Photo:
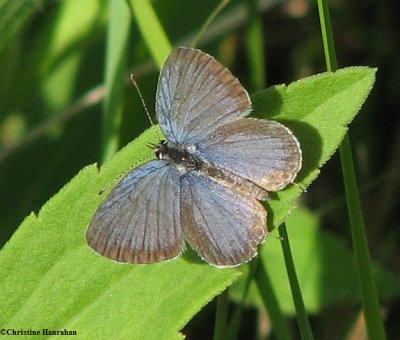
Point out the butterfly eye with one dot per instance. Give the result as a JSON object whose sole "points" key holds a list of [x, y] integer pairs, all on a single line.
{"points": [[161, 149]]}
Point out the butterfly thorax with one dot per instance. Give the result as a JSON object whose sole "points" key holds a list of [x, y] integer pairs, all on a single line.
{"points": [[179, 155]]}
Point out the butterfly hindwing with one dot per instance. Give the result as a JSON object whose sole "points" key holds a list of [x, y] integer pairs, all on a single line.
{"points": [[139, 222], [262, 151], [225, 228]]}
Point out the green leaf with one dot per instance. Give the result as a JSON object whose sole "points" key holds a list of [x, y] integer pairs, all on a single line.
{"points": [[52, 279], [317, 109], [319, 257]]}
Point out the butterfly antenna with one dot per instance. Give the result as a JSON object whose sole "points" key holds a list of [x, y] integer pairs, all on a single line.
{"points": [[144, 105]]}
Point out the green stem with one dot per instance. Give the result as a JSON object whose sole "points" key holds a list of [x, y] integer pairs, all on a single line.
{"points": [[221, 316], [369, 296], [302, 318], [209, 20], [234, 326], [255, 48]]}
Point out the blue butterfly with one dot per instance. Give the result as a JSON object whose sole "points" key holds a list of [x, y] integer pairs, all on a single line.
{"points": [[211, 173]]}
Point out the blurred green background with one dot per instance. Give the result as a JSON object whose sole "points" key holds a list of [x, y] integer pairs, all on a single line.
{"points": [[52, 56]]}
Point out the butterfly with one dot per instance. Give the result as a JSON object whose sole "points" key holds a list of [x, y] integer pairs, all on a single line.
{"points": [[209, 177]]}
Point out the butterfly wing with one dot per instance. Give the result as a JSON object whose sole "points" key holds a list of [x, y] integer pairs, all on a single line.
{"points": [[262, 151], [139, 222], [224, 227], [196, 95]]}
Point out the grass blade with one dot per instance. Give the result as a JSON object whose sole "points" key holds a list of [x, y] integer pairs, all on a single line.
{"points": [[234, 326], [116, 51], [302, 318], [255, 48], [369, 294], [152, 31], [209, 20], [221, 316]]}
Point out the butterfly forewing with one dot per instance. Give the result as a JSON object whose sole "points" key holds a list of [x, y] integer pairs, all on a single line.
{"points": [[139, 222], [196, 95]]}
